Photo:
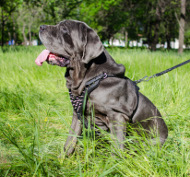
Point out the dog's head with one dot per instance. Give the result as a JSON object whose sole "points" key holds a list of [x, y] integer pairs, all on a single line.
{"points": [[71, 40]]}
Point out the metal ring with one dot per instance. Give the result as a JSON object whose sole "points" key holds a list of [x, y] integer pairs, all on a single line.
{"points": [[105, 75]]}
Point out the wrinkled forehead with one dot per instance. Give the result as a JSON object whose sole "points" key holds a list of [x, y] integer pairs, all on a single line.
{"points": [[72, 25], [76, 30], [65, 23]]}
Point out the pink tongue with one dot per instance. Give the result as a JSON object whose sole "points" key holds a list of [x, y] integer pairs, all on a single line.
{"points": [[42, 57]]}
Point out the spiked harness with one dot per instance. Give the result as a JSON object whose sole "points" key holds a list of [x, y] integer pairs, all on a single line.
{"points": [[78, 102]]}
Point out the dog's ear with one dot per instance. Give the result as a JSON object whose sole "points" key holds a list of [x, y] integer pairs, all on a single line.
{"points": [[92, 46]]}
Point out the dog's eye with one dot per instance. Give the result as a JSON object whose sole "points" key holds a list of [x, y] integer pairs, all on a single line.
{"points": [[64, 30]]}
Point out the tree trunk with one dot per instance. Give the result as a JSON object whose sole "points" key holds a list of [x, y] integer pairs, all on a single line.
{"points": [[154, 39], [111, 39], [168, 35], [9, 34], [30, 36], [2, 28], [154, 28], [23, 33], [14, 30], [156, 35], [157, 25], [168, 40], [126, 38], [182, 26]]}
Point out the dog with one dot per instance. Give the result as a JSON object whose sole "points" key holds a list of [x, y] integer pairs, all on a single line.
{"points": [[116, 100]]}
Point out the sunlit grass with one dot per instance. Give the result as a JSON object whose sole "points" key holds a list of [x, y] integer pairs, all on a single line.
{"points": [[35, 116]]}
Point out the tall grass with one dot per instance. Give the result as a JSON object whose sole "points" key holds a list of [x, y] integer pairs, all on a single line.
{"points": [[35, 116]]}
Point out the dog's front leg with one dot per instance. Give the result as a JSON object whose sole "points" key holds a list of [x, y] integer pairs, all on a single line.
{"points": [[117, 127], [75, 130]]}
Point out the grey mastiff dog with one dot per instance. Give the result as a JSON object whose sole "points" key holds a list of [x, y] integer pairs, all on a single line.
{"points": [[116, 100]]}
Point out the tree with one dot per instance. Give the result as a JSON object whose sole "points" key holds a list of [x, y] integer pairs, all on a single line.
{"points": [[154, 20], [187, 25], [150, 14], [107, 16], [29, 15], [7, 7], [169, 28], [182, 26], [57, 10]]}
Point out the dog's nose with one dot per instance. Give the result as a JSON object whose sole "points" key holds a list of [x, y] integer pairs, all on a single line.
{"points": [[43, 27]]}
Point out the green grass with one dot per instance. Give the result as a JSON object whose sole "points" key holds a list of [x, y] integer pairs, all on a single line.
{"points": [[35, 116]]}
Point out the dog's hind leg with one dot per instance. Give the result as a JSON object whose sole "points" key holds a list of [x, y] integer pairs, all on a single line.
{"points": [[153, 128], [160, 129]]}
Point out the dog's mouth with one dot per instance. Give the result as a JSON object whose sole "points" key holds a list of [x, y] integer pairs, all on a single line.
{"points": [[51, 58]]}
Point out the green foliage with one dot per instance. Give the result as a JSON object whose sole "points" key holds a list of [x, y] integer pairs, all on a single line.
{"points": [[7, 7], [108, 17], [56, 10], [36, 113], [187, 38], [157, 21]]}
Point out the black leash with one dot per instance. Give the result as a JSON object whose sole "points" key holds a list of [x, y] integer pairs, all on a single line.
{"points": [[146, 78]]}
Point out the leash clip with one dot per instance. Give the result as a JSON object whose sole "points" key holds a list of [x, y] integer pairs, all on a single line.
{"points": [[146, 78]]}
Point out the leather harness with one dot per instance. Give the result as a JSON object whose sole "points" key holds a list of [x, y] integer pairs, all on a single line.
{"points": [[78, 102]]}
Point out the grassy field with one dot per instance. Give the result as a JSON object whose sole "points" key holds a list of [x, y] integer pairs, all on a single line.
{"points": [[35, 116]]}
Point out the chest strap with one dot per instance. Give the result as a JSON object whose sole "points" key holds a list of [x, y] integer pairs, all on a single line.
{"points": [[78, 101]]}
